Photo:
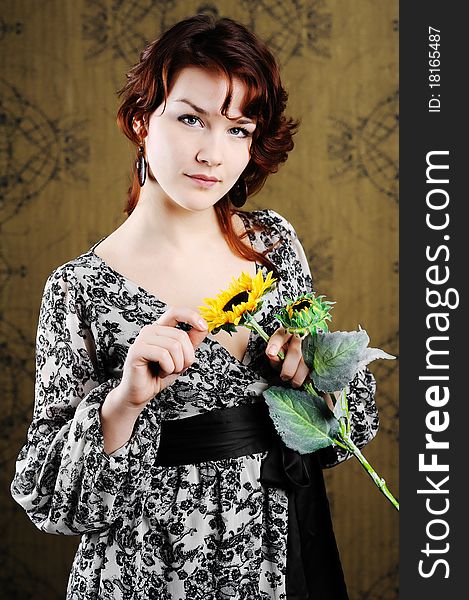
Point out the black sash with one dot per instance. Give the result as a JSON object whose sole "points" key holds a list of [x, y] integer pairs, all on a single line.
{"points": [[314, 571]]}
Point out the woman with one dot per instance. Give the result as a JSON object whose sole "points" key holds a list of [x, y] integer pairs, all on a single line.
{"points": [[150, 437]]}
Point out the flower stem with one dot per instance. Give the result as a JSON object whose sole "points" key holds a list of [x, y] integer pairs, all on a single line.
{"points": [[343, 439], [309, 388], [255, 325], [379, 481]]}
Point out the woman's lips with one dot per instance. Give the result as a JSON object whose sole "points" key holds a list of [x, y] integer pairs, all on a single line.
{"points": [[202, 182]]}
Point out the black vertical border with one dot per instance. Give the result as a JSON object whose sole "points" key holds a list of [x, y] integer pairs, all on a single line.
{"points": [[421, 132]]}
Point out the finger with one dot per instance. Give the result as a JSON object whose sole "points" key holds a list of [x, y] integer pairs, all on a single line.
{"points": [[276, 364], [293, 357], [277, 341], [180, 314], [275, 361], [301, 374], [197, 336], [174, 347], [183, 338], [157, 354], [330, 403], [274, 358], [153, 332], [177, 314]]}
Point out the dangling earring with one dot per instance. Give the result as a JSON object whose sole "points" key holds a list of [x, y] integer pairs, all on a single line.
{"points": [[239, 192], [141, 165]]}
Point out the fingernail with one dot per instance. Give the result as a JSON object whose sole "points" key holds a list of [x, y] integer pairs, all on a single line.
{"points": [[283, 377], [272, 350], [202, 324]]}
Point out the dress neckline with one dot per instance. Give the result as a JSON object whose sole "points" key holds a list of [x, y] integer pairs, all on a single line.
{"points": [[161, 303]]}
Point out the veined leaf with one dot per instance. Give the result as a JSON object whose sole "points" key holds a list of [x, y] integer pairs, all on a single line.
{"points": [[336, 357], [371, 354], [307, 348], [304, 422]]}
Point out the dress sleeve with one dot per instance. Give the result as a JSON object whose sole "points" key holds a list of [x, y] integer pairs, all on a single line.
{"points": [[364, 420], [303, 280], [64, 480]]}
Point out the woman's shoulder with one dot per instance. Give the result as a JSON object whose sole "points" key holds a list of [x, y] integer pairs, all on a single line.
{"points": [[270, 219], [74, 272]]}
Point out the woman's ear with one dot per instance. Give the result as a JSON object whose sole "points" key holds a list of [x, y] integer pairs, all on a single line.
{"points": [[140, 126]]}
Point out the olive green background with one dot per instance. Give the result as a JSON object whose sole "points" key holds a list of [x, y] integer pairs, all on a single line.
{"points": [[64, 176]]}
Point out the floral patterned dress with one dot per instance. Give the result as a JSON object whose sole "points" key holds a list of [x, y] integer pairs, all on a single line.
{"points": [[202, 531]]}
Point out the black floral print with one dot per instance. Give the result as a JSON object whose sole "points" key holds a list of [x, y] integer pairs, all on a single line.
{"points": [[206, 531]]}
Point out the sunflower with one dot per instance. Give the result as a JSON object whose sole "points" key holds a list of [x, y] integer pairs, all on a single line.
{"points": [[305, 314], [233, 306]]}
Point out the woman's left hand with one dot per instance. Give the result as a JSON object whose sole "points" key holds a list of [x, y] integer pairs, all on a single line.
{"points": [[293, 368]]}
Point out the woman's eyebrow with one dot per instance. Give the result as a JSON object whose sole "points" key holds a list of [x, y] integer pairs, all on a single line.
{"points": [[242, 120]]}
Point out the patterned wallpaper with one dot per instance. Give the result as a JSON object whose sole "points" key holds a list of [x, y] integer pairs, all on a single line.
{"points": [[64, 174]]}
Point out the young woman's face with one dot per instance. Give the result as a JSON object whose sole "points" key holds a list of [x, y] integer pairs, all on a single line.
{"points": [[182, 141]]}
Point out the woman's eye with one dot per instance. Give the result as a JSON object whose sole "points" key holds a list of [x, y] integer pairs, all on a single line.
{"points": [[184, 118], [188, 117], [245, 132]]}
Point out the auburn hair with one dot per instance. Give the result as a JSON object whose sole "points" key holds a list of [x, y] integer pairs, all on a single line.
{"points": [[226, 47]]}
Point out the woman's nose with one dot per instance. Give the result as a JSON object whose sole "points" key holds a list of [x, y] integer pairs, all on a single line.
{"points": [[210, 151]]}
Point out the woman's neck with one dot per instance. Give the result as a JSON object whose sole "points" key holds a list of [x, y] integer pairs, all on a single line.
{"points": [[172, 225]]}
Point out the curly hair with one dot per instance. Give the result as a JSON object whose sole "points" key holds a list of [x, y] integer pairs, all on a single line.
{"points": [[226, 47]]}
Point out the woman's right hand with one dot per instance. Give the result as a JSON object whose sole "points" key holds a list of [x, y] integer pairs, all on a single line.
{"points": [[161, 342]]}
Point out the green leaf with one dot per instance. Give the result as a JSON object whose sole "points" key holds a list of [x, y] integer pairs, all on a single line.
{"points": [[307, 348], [371, 354], [303, 421], [229, 327], [336, 357]]}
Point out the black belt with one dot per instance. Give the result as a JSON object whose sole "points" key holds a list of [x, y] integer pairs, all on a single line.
{"points": [[314, 571]]}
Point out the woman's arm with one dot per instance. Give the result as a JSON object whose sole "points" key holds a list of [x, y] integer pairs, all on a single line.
{"points": [[64, 479], [117, 421]]}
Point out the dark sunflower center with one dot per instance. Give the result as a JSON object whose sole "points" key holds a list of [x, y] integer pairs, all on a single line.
{"points": [[241, 297], [301, 304]]}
